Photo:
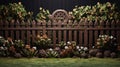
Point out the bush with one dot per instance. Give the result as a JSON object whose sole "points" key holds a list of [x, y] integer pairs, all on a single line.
{"points": [[52, 53], [2, 41], [42, 15], [43, 42], [98, 12], [14, 12], [29, 52], [106, 42]]}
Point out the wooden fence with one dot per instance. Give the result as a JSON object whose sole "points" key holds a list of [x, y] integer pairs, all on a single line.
{"points": [[83, 32]]}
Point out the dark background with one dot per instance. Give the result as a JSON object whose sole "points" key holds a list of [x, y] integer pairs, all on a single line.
{"points": [[33, 5]]}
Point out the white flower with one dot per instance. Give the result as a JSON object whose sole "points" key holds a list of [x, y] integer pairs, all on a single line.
{"points": [[114, 38], [12, 43], [111, 37], [93, 46], [82, 47], [103, 38], [100, 35], [98, 43], [1, 37], [85, 48], [2, 48], [49, 39], [6, 41], [5, 48], [64, 43], [68, 43], [40, 8], [18, 40], [66, 47], [106, 36], [77, 47], [74, 9], [70, 12], [34, 48], [50, 49]]}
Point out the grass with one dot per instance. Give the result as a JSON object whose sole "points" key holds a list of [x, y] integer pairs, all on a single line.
{"points": [[59, 62]]}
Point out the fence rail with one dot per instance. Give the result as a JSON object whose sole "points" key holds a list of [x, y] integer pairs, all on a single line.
{"points": [[83, 32]]}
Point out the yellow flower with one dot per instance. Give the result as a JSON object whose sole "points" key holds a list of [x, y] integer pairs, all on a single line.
{"points": [[27, 46], [38, 36], [32, 50], [98, 43], [45, 36]]}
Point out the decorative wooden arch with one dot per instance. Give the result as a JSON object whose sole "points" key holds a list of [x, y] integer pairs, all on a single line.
{"points": [[60, 14]]}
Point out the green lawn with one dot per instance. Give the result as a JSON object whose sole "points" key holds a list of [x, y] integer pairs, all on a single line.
{"points": [[58, 62]]}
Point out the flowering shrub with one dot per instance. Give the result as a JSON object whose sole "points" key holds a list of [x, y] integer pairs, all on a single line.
{"points": [[68, 49], [3, 12], [19, 43], [106, 42], [42, 42], [98, 12], [62, 44], [28, 51], [13, 11], [17, 11], [105, 47], [80, 50], [2, 40], [4, 51], [7, 48], [52, 53], [42, 15]]}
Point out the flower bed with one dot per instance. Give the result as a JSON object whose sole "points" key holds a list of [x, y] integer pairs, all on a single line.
{"points": [[106, 46]]}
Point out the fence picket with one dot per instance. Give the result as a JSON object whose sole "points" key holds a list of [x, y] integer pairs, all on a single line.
{"points": [[90, 34], [70, 31], [59, 37]]}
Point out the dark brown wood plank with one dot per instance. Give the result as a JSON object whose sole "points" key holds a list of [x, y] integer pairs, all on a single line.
{"points": [[95, 37], [80, 38], [65, 34], [90, 39], [86, 38], [59, 36], [75, 35], [54, 38], [28, 37], [70, 35]]}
